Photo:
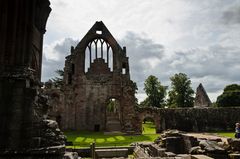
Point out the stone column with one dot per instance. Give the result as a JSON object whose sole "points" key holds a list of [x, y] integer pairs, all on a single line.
{"points": [[21, 107]]}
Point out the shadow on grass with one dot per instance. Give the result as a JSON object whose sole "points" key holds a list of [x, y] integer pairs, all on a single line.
{"points": [[85, 138]]}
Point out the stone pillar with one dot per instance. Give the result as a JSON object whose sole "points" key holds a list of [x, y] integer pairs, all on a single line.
{"points": [[21, 109]]}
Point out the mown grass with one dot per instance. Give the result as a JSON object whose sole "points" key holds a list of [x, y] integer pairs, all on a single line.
{"points": [[149, 128], [85, 138], [225, 134]]}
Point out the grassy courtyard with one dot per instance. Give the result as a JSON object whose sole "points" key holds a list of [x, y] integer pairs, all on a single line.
{"points": [[85, 138], [225, 134]]}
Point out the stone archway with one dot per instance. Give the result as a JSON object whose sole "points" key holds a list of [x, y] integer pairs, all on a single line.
{"points": [[147, 117], [148, 125], [143, 113], [113, 115]]}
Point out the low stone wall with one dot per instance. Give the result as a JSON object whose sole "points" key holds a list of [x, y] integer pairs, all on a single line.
{"points": [[86, 152], [191, 119]]}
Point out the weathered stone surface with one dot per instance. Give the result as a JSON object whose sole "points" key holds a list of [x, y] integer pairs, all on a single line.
{"points": [[55, 101], [23, 131], [157, 151], [234, 156], [201, 157], [234, 143], [139, 152], [211, 147], [201, 99], [170, 154], [171, 133], [49, 134], [196, 150], [96, 71], [110, 153], [190, 119], [172, 143], [71, 155], [183, 156], [177, 142]]}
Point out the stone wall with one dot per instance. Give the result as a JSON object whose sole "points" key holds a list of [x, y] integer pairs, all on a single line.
{"points": [[88, 88], [191, 119], [23, 128]]}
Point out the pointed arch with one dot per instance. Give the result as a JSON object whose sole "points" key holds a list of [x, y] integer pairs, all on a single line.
{"points": [[98, 49]]}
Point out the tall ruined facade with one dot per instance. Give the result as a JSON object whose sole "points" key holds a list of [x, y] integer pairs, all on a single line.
{"points": [[22, 125], [99, 94], [201, 99]]}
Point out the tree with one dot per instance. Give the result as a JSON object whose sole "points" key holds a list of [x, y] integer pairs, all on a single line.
{"points": [[135, 91], [144, 103], [155, 91], [58, 80], [112, 106], [181, 93], [230, 96]]}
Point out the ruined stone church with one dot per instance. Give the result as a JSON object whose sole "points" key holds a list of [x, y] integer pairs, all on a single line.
{"points": [[98, 91]]}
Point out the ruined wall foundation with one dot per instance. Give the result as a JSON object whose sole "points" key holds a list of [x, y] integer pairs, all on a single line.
{"points": [[191, 119]]}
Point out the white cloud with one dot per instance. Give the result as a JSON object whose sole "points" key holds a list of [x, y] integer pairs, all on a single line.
{"points": [[199, 38], [54, 55]]}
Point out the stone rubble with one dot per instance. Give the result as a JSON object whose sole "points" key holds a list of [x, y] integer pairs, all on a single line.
{"points": [[178, 145]]}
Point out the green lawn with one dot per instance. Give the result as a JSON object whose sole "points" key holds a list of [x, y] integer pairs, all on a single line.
{"points": [[85, 138], [225, 134], [149, 128]]}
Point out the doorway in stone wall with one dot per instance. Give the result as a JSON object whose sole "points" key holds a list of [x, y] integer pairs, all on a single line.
{"points": [[148, 126], [113, 115]]}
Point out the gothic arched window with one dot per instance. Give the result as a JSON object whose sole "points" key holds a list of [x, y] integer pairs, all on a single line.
{"points": [[98, 48]]}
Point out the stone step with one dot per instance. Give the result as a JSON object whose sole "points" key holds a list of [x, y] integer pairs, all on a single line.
{"points": [[111, 153], [113, 126], [169, 154], [113, 118], [234, 156], [113, 122], [201, 157]]}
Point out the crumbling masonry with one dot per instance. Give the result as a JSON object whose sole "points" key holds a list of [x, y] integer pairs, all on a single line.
{"points": [[24, 132], [95, 74]]}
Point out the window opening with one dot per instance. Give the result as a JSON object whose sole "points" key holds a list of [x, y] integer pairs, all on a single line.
{"points": [[99, 32], [98, 48], [96, 127], [69, 78], [123, 68], [73, 68], [123, 71]]}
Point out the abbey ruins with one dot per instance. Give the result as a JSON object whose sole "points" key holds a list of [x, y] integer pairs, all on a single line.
{"points": [[96, 74]]}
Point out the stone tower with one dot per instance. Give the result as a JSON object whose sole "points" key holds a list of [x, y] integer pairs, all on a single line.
{"points": [[99, 94], [201, 99]]}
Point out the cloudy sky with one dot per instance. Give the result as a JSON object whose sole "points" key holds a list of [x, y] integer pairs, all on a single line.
{"points": [[163, 37]]}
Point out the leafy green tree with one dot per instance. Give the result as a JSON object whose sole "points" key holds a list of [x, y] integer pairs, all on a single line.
{"points": [[232, 87], [58, 80], [136, 89], [144, 103], [230, 96], [111, 106], [155, 91], [181, 93]]}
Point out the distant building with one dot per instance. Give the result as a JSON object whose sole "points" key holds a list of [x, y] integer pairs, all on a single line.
{"points": [[201, 99]]}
